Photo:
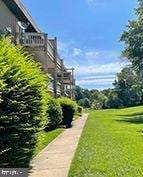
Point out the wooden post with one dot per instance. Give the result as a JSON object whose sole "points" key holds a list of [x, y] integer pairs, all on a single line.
{"points": [[56, 69], [45, 52], [62, 78], [72, 91]]}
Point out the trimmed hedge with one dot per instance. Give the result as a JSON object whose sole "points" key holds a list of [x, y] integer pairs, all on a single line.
{"points": [[69, 108], [54, 114], [23, 105]]}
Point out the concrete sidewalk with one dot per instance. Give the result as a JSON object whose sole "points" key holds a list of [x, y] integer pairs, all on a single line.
{"points": [[56, 158]]}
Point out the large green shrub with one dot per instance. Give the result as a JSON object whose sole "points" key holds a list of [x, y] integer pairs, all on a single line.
{"points": [[23, 104], [54, 114], [69, 108]]}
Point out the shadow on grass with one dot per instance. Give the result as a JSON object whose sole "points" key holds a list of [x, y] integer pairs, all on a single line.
{"points": [[135, 118], [132, 115]]}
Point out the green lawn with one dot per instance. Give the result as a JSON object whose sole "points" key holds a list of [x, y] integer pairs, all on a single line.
{"points": [[45, 138], [111, 145]]}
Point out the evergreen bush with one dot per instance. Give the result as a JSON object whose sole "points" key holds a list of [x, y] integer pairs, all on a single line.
{"points": [[54, 113], [69, 108], [23, 104]]}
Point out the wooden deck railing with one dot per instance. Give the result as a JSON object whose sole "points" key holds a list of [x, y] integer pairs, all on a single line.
{"points": [[33, 39], [50, 50]]}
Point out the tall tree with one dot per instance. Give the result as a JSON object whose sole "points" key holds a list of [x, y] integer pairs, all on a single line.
{"points": [[133, 39], [78, 93], [128, 87]]}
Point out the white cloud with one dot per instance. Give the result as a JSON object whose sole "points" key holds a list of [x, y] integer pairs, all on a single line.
{"points": [[77, 52], [63, 47], [93, 68], [99, 69], [96, 81], [72, 53], [101, 54], [98, 77], [92, 54]]}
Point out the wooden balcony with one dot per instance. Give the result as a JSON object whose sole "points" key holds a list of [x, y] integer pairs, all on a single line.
{"points": [[66, 77], [39, 40], [33, 39]]}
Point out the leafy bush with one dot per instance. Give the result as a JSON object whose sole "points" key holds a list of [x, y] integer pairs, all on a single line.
{"points": [[69, 108], [79, 109], [23, 104], [54, 114]]}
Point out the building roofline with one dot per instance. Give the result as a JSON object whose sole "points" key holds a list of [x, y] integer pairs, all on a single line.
{"points": [[17, 8]]}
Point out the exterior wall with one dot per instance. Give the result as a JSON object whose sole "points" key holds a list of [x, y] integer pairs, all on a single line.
{"points": [[7, 19], [39, 56]]}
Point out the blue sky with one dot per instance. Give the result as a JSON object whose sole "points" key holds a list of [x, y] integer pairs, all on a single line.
{"points": [[88, 32]]}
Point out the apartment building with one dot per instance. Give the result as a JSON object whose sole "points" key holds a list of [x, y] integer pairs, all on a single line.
{"points": [[15, 20]]}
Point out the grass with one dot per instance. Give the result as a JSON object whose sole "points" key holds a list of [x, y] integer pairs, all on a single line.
{"points": [[111, 145], [44, 138]]}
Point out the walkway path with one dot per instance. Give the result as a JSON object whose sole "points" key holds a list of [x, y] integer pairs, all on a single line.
{"points": [[56, 158]]}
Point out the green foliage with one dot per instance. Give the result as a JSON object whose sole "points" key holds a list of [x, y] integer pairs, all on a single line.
{"points": [[69, 108], [23, 104], [78, 93], [111, 145], [129, 88], [127, 92], [81, 93], [113, 101], [79, 109], [90, 99], [133, 39], [54, 114], [85, 102]]}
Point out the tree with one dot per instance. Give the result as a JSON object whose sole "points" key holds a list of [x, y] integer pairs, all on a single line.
{"points": [[78, 93], [97, 99], [94, 95], [113, 101], [86, 93], [85, 102], [133, 39], [128, 87]]}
